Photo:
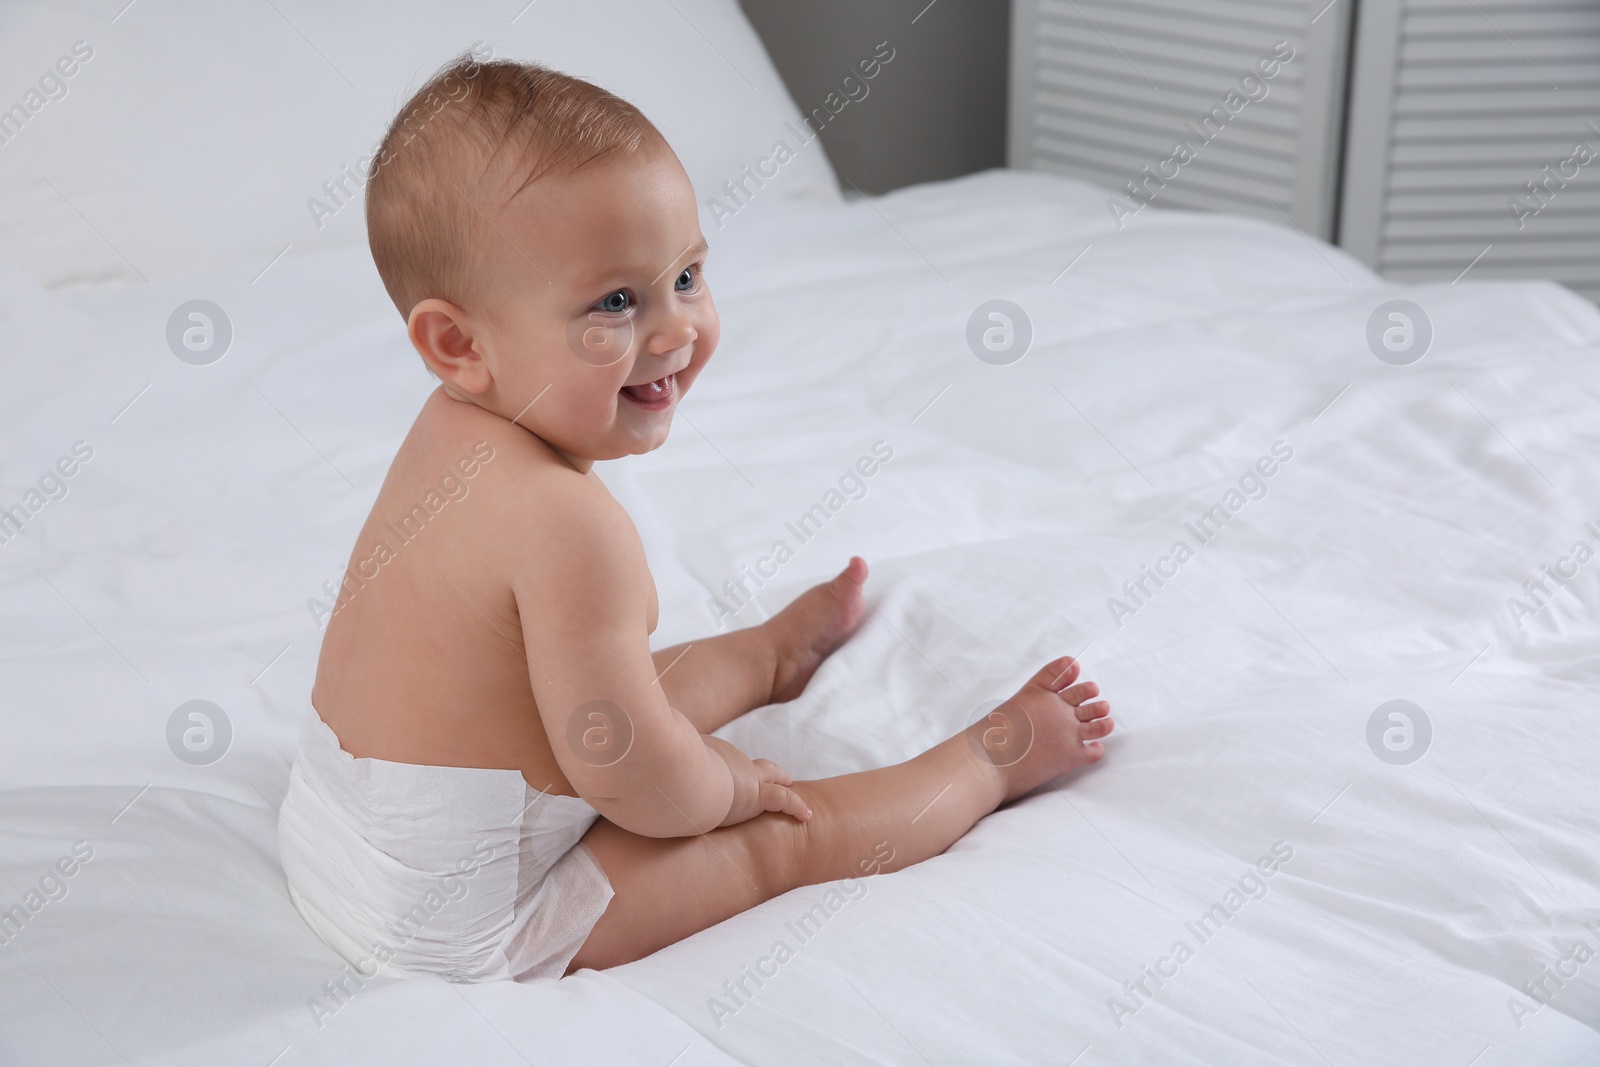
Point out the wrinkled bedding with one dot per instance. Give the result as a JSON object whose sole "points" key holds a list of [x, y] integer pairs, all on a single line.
{"points": [[1347, 887]]}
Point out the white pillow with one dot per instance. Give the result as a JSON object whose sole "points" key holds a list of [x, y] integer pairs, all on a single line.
{"points": [[190, 136]]}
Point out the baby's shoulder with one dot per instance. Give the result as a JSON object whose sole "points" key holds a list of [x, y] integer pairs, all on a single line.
{"points": [[524, 495]]}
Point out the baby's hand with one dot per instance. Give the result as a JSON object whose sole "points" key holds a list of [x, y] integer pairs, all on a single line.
{"points": [[758, 786]]}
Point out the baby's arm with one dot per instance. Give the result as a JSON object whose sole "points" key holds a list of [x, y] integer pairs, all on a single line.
{"points": [[583, 595]]}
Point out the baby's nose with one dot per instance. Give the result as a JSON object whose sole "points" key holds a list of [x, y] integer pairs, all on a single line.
{"points": [[675, 334]]}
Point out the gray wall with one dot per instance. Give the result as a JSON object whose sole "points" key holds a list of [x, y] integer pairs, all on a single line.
{"points": [[936, 110]]}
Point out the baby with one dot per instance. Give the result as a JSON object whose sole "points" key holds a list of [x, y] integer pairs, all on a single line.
{"points": [[498, 778]]}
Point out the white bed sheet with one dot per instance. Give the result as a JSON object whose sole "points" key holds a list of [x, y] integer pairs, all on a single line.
{"points": [[1167, 359]]}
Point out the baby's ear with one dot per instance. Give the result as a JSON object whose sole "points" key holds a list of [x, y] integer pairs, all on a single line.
{"points": [[442, 335]]}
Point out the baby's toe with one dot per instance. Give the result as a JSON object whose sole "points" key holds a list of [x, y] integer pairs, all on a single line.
{"points": [[848, 582], [1098, 728], [1077, 694], [1096, 710], [1057, 674]]}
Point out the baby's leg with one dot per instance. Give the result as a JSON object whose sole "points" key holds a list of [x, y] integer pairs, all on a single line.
{"points": [[882, 820], [715, 680]]}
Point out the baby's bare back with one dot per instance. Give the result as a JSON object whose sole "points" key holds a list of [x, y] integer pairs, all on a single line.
{"points": [[424, 659]]}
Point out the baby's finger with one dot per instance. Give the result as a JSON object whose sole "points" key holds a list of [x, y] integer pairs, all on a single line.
{"points": [[782, 798], [771, 772]]}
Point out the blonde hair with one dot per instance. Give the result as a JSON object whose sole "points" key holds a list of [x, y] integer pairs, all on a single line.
{"points": [[425, 213]]}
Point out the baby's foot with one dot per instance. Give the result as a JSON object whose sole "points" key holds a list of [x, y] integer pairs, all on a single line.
{"points": [[1050, 727], [809, 630]]}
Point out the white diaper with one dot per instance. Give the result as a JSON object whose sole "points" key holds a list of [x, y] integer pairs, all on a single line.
{"points": [[463, 872]]}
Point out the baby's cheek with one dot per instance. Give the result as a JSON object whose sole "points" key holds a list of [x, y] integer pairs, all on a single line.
{"points": [[697, 362], [710, 333], [708, 325]]}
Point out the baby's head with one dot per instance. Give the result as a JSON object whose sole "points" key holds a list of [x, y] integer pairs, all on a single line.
{"points": [[542, 241]]}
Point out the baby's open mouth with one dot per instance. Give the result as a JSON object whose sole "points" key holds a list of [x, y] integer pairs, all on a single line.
{"points": [[652, 396]]}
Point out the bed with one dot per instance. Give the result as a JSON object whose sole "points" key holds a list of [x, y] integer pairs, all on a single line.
{"points": [[1355, 770]]}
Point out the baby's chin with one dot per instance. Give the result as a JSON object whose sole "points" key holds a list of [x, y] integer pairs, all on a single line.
{"points": [[626, 429], [623, 440]]}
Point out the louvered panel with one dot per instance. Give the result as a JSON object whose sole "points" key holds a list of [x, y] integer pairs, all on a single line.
{"points": [[1468, 207], [1466, 105], [1202, 197], [1178, 58], [1515, 21], [1509, 75], [1491, 129], [1105, 89], [1060, 102], [1239, 14], [1227, 17], [1113, 162], [1147, 141], [1455, 253], [1497, 9], [1170, 84], [1213, 183], [1583, 274], [1496, 183], [1460, 49], [1420, 243], [1084, 92], [1501, 160]]}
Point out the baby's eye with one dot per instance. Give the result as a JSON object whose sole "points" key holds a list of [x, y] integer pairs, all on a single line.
{"points": [[685, 280], [616, 303]]}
